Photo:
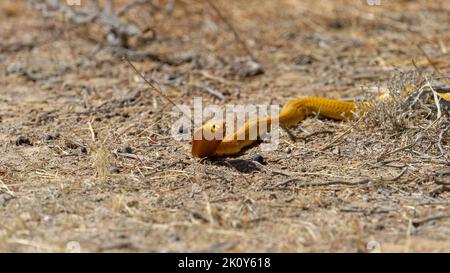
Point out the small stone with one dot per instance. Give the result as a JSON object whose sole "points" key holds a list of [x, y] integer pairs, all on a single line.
{"points": [[258, 158], [23, 140], [181, 130], [110, 115], [127, 149], [114, 170], [288, 150], [236, 224], [133, 204], [336, 150], [379, 227], [251, 69], [4, 199], [246, 67], [82, 149], [51, 136]]}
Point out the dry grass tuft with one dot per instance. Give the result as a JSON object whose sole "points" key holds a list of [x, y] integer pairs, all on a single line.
{"points": [[410, 114], [404, 107], [102, 161]]}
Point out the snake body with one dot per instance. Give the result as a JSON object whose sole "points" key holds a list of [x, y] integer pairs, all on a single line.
{"points": [[292, 113]]}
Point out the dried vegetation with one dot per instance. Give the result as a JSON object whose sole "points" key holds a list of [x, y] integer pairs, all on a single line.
{"points": [[101, 169]]}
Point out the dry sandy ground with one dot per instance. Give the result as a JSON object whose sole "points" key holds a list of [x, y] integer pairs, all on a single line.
{"points": [[77, 184]]}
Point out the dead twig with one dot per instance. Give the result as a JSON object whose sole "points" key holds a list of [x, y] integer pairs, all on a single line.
{"points": [[5, 188], [417, 139], [436, 100], [395, 178], [91, 129], [331, 144], [211, 91], [138, 56], [433, 65], [132, 5], [318, 184], [439, 141], [439, 190], [417, 223], [155, 88]]}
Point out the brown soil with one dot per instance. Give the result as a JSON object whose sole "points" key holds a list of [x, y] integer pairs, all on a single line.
{"points": [[79, 185]]}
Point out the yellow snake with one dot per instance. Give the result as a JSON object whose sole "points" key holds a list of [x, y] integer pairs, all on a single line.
{"points": [[292, 113]]}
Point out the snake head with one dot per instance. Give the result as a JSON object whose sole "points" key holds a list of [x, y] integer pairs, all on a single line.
{"points": [[207, 139], [293, 112]]}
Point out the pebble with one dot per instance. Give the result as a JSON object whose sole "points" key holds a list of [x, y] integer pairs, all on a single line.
{"points": [[23, 140], [83, 149], [336, 151], [127, 149], [114, 169], [258, 158], [52, 136]]}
